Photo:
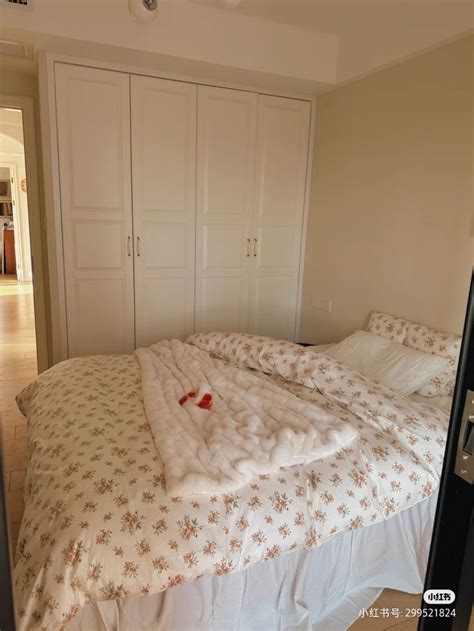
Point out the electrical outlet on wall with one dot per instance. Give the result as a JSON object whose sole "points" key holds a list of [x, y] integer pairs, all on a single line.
{"points": [[322, 305]]}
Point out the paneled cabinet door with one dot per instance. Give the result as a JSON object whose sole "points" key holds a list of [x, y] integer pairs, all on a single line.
{"points": [[164, 207], [282, 147], [93, 126], [225, 173]]}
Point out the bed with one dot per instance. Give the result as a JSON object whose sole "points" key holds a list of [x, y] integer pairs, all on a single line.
{"points": [[104, 545]]}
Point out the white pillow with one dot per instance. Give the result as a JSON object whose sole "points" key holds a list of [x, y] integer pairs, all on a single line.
{"points": [[402, 369]]}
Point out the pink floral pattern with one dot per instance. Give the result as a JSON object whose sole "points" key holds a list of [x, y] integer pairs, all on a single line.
{"points": [[422, 338], [388, 326], [244, 349], [98, 524]]}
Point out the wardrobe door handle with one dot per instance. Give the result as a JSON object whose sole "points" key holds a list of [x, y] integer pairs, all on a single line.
{"points": [[129, 246], [255, 247], [138, 246], [248, 247]]}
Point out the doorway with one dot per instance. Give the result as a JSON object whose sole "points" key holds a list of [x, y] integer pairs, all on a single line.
{"points": [[18, 330], [15, 249], [17, 314], [22, 280]]}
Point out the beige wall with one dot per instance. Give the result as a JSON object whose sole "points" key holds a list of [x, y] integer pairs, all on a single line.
{"points": [[17, 81], [392, 196]]}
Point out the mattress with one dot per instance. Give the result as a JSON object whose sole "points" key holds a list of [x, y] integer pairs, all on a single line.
{"points": [[99, 526]]}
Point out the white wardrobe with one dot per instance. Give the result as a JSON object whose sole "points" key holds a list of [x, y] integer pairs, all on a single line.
{"points": [[181, 208]]}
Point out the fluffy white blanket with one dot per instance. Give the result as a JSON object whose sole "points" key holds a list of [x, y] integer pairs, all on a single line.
{"points": [[254, 426]]}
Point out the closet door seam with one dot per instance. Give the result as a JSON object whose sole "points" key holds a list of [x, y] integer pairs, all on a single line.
{"points": [[133, 214]]}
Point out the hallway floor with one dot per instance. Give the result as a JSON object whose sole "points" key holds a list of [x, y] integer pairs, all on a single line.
{"points": [[17, 369]]}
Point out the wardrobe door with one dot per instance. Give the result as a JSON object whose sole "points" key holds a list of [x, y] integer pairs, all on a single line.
{"points": [[225, 172], [164, 207], [282, 147], [93, 127]]}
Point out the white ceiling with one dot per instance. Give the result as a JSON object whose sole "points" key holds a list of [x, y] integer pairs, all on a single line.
{"points": [[302, 46], [372, 33], [340, 17]]}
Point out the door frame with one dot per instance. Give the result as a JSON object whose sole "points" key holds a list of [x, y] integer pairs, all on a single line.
{"points": [[450, 560], [27, 106]]}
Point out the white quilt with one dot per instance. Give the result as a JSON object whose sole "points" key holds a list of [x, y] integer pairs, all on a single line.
{"points": [[254, 427]]}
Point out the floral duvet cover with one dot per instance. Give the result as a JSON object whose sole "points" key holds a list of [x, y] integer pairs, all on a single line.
{"points": [[98, 522]]}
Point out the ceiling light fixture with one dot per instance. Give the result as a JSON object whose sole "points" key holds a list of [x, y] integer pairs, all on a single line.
{"points": [[143, 10]]}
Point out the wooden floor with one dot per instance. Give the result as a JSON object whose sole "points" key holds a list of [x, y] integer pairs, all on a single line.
{"points": [[18, 368], [394, 605]]}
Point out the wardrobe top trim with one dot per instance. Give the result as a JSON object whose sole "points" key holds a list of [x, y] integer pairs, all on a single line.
{"points": [[53, 58]]}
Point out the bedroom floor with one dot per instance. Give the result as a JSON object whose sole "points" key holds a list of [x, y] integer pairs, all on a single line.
{"points": [[18, 368]]}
